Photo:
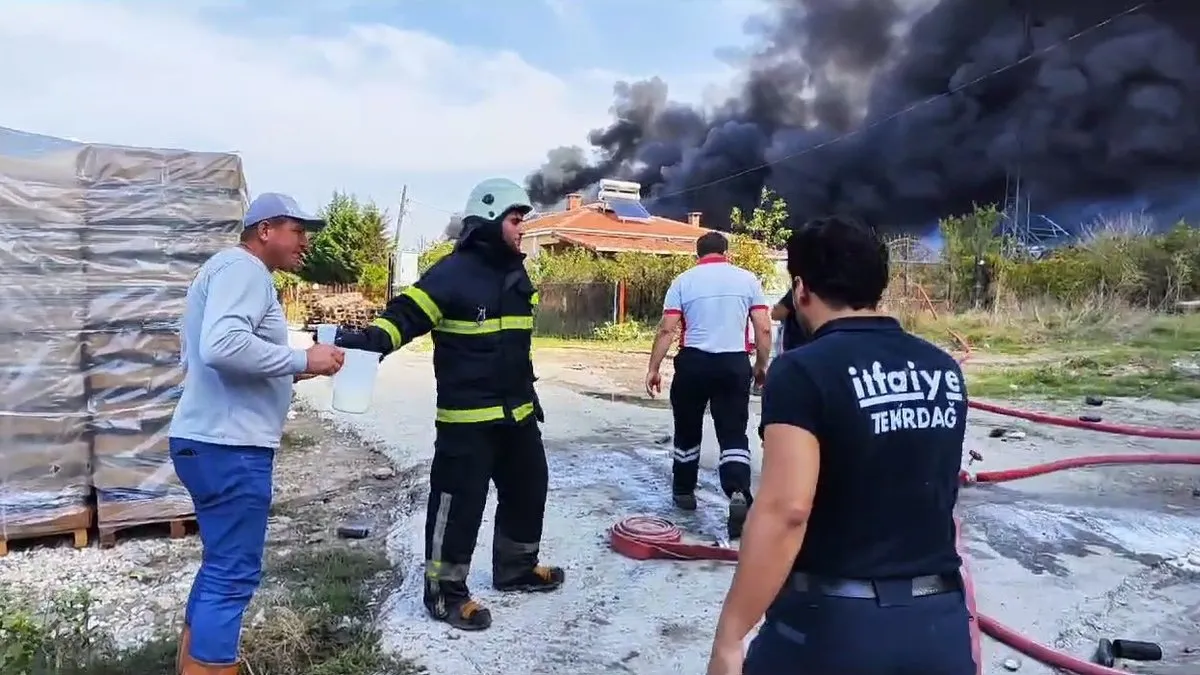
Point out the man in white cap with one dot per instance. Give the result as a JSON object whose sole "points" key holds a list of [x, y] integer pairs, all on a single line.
{"points": [[238, 377]]}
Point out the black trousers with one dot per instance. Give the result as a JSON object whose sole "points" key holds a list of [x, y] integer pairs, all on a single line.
{"points": [[807, 633], [466, 458], [720, 382]]}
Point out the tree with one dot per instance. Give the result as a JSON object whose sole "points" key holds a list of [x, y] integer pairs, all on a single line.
{"points": [[372, 281], [373, 245], [972, 248], [753, 255], [355, 236], [766, 223], [433, 253]]}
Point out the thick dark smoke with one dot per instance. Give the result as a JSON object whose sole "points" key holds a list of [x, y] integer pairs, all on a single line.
{"points": [[1109, 117]]}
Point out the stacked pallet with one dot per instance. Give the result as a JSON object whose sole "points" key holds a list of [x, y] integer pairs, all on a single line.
{"points": [[44, 447], [151, 219], [97, 248], [344, 309]]}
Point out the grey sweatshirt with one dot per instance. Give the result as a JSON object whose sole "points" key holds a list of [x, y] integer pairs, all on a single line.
{"points": [[238, 366]]}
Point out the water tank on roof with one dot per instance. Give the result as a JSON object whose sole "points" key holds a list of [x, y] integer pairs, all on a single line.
{"points": [[619, 190]]}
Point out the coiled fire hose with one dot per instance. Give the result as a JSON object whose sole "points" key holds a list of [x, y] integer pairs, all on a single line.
{"points": [[650, 537]]}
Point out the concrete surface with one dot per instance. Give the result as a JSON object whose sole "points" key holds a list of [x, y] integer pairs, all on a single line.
{"points": [[1065, 559]]}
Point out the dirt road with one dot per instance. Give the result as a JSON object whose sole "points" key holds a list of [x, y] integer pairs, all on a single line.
{"points": [[1066, 558]]}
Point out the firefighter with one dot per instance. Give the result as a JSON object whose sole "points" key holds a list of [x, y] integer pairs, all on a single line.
{"points": [[478, 303]]}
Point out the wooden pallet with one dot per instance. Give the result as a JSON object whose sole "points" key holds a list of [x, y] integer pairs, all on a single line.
{"points": [[173, 528], [73, 523]]}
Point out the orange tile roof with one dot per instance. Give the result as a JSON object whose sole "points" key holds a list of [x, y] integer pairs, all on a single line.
{"points": [[592, 227], [591, 219], [617, 243]]}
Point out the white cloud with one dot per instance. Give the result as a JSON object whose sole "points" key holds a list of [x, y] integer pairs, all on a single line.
{"points": [[371, 96]]}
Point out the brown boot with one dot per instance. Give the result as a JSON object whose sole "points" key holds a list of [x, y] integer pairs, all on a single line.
{"points": [[185, 642], [194, 667]]}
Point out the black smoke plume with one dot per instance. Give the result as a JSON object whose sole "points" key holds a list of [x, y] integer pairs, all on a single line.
{"points": [[1112, 116]]}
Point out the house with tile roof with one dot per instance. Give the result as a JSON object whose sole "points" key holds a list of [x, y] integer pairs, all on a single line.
{"points": [[616, 222]]}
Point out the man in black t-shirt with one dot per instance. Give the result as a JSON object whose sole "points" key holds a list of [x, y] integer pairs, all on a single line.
{"points": [[794, 333], [849, 549]]}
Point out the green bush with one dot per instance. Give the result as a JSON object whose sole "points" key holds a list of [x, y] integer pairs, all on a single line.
{"points": [[1142, 270], [285, 281], [57, 639], [630, 331], [1114, 261], [372, 281], [577, 265]]}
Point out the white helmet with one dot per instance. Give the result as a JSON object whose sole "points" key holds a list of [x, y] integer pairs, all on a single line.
{"points": [[494, 197]]}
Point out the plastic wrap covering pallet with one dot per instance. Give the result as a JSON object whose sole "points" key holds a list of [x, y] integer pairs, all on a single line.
{"points": [[97, 247]]}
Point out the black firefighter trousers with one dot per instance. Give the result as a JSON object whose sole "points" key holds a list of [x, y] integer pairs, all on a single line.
{"points": [[720, 382], [466, 458]]}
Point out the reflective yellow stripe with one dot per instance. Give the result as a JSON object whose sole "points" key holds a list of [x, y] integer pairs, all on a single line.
{"points": [[535, 299], [475, 415], [425, 302], [486, 326], [392, 331]]}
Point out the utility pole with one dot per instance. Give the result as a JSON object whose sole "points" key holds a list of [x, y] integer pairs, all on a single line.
{"points": [[393, 269]]}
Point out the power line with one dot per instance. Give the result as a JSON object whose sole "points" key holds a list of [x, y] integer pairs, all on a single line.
{"points": [[904, 111], [439, 209]]}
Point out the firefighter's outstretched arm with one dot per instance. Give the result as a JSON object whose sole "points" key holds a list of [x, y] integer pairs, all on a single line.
{"points": [[408, 316]]}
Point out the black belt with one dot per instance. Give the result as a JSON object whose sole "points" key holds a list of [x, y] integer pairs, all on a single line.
{"points": [[931, 584]]}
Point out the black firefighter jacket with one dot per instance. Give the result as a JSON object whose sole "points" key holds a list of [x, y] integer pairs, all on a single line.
{"points": [[478, 301]]}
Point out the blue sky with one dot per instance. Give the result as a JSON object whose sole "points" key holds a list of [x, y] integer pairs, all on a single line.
{"points": [[359, 95]]}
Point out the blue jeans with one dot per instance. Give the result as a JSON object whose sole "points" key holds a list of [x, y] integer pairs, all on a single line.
{"points": [[231, 489], [812, 634]]}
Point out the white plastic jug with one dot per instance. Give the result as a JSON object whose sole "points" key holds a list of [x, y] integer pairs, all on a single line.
{"points": [[327, 333], [355, 382]]}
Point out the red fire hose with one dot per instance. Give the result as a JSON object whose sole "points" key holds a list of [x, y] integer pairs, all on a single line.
{"points": [[649, 537], [1122, 429], [1075, 463], [1055, 420]]}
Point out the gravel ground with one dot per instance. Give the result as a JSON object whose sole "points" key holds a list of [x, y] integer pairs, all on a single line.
{"points": [[322, 479], [1066, 558]]}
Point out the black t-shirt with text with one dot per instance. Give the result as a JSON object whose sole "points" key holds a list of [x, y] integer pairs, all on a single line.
{"points": [[794, 333], [889, 410]]}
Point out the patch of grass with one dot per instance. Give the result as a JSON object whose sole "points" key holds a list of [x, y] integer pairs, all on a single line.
{"points": [[1032, 328], [314, 617], [296, 441], [1119, 372], [424, 344], [592, 344]]}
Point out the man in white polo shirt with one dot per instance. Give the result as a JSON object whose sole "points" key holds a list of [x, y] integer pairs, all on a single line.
{"points": [[710, 304]]}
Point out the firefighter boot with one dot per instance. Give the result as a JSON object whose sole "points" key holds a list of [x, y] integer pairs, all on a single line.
{"points": [[739, 507], [194, 667], [515, 568], [687, 501], [449, 601]]}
